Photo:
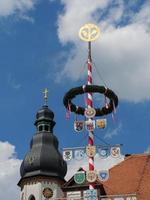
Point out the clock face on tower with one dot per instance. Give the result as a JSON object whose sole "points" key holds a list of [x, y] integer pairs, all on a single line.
{"points": [[47, 192]]}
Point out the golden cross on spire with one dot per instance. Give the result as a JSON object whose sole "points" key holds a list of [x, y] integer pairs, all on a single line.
{"points": [[45, 92]]}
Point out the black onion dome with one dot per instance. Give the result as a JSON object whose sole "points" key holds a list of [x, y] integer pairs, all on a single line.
{"points": [[44, 157], [45, 113]]}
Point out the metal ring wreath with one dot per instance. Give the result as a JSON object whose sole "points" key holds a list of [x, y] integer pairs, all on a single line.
{"points": [[71, 94]]}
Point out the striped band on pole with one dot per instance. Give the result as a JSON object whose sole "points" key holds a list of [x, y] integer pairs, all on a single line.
{"points": [[90, 105]]}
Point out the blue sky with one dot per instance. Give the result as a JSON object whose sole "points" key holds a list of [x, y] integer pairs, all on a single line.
{"points": [[39, 47]]}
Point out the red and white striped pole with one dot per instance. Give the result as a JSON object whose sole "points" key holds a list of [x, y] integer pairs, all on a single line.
{"points": [[88, 33], [90, 105]]}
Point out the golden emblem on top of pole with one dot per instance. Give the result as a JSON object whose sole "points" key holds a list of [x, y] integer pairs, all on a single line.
{"points": [[89, 32]]}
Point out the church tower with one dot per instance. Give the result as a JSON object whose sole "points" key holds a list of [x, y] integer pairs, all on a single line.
{"points": [[43, 168]]}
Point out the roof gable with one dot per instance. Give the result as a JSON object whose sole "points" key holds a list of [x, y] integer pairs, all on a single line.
{"points": [[71, 184]]}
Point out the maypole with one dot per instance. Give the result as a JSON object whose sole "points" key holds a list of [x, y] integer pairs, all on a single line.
{"points": [[89, 33]]}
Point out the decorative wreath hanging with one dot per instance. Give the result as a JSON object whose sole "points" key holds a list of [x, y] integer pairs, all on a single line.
{"points": [[71, 94]]}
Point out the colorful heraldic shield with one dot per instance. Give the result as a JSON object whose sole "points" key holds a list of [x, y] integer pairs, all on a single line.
{"points": [[115, 152], [101, 123], [103, 175], [103, 152], [90, 112], [67, 155], [79, 154], [79, 177], [90, 125], [79, 126], [91, 176], [91, 151], [90, 194]]}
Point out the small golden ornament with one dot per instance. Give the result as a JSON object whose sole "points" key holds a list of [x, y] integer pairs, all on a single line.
{"points": [[89, 32]]}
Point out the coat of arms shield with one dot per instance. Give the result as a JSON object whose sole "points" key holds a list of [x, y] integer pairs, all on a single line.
{"points": [[91, 176], [103, 152], [90, 125], [90, 194], [90, 151], [78, 126], [79, 154], [101, 123], [67, 155], [103, 175], [115, 152], [79, 177]]}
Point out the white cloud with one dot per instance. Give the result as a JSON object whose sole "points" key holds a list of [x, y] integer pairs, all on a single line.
{"points": [[9, 7], [111, 133], [122, 52], [9, 172], [99, 163]]}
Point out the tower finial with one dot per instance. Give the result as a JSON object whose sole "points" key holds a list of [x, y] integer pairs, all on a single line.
{"points": [[45, 92]]}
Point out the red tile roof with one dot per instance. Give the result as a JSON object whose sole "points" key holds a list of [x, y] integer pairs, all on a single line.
{"points": [[129, 177]]}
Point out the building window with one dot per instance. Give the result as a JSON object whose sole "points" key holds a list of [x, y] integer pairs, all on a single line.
{"points": [[31, 197], [74, 195]]}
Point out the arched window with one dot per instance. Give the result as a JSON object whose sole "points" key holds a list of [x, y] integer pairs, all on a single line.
{"points": [[41, 128], [31, 197], [46, 128]]}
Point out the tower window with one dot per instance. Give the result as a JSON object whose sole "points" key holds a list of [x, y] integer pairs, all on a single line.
{"points": [[41, 128], [46, 128], [31, 197]]}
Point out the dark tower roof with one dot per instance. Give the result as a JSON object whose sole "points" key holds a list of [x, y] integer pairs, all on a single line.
{"points": [[44, 157]]}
